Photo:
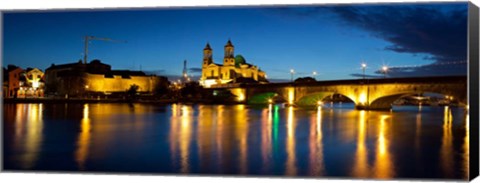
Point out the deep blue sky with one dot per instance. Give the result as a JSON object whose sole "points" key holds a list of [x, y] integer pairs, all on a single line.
{"points": [[331, 40]]}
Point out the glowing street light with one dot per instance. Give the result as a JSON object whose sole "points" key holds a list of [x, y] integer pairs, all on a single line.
{"points": [[292, 72], [314, 75], [319, 103], [364, 66], [385, 69]]}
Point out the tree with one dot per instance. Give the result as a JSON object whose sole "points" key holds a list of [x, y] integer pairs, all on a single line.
{"points": [[305, 80], [162, 87], [132, 91], [191, 89]]}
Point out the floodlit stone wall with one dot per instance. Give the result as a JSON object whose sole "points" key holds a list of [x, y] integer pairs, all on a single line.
{"points": [[99, 83]]}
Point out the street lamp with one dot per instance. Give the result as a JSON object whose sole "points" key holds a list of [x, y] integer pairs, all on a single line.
{"points": [[385, 69], [314, 74], [292, 72], [364, 65]]}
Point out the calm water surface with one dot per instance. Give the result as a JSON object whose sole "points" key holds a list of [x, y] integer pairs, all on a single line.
{"points": [[329, 141]]}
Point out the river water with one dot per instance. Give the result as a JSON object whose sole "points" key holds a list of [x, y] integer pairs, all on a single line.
{"points": [[330, 141]]}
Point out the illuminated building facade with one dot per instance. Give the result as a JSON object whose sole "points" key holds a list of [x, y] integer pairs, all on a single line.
{"points": [[31, 84], [12, 81], [20, 83], [235, 69], [96, 79]]}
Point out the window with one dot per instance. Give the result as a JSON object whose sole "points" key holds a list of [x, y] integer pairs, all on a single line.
{"points": [[212, 73]]}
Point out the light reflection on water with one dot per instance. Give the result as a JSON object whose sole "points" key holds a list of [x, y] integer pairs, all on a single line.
{"points": [[360, 166], [238, 139], [83, 138]]}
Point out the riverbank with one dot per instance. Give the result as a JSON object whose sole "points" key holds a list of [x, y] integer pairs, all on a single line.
{"points": [[80, 100]]}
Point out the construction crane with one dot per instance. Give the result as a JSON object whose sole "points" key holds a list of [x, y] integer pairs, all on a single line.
{"points": [[88, 38]]}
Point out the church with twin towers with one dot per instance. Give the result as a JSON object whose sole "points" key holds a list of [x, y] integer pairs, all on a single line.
{"points": [[234, 69]]}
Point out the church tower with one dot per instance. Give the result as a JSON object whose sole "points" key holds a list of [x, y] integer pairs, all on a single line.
{"points": [[229, 59], [207, 56]]}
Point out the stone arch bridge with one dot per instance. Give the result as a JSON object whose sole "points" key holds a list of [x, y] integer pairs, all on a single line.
{"points": [[375, 94]]}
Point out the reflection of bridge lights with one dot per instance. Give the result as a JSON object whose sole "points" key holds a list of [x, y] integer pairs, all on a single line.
{"points": [[384, 117], [381, 139]]}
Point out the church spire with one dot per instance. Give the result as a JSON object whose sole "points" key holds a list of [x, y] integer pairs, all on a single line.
{"points": [[207, 47], [229, 43], [207, 55], [228, 59]]}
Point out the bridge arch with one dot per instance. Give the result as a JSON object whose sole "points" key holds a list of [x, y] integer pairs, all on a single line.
{"points": [[386, 101], [312, 99]]}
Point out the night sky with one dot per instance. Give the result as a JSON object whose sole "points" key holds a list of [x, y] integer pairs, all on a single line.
{"points": [[411, 39]]}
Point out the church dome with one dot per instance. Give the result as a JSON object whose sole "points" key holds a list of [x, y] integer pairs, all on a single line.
{"points": [[239, 60]]}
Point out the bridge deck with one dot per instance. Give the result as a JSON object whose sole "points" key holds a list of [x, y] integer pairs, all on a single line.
{"points": [[440, 79]]}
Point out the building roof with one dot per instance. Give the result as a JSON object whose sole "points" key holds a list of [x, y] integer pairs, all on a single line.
{"points": [[239, 59], [63, 66], [31, 69], [12, 68]]}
